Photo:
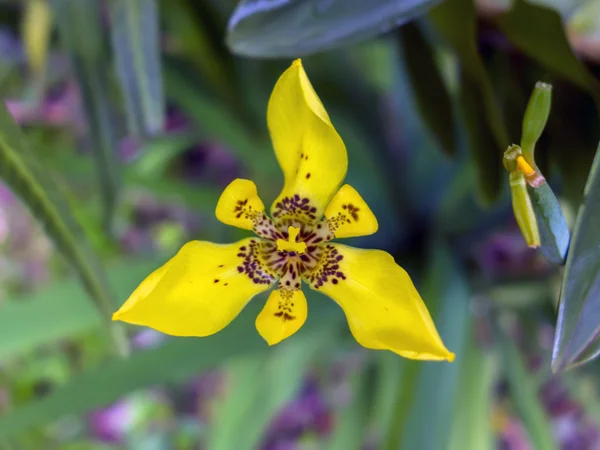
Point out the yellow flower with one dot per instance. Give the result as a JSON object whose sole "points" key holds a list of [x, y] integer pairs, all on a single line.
{"points": [[205, 286]]}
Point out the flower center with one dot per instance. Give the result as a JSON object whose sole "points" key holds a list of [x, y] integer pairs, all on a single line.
{"points": [[291, 245]]}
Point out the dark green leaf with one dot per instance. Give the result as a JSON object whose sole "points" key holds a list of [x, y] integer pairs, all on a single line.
{"points": [[50, 206], [551, 222], [428, 87], [455, 21], [136, 46], [579, 311], [538, 32], [81, 35], [523, 388], [176, 361], [282, 28]]}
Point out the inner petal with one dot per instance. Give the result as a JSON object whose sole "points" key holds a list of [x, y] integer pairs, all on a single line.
{"points": [[286, 310]]}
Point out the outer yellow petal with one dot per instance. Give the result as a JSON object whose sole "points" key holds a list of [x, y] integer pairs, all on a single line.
{"points": [[284, 313], [383, 308], [310, 152], [240, 205], [200, 290], [348, 215]]}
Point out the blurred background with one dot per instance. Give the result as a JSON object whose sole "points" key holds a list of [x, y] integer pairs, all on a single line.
{"points": [[137, 113]]}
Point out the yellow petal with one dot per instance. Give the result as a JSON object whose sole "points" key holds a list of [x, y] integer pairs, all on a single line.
{"points": [[383, 308], [311, 154], [348, 214], [284, 313], [240, 205], [200, 290]]}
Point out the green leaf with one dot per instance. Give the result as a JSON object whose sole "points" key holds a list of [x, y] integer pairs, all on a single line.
{"points": [[61, 311], [389, 369], [523, 388], [436, 391], [276, 28], [578, 323], [80, 31], [350, 419], [472, 421], [136, 46], [430, 93], [176, 361], [258, 386], [455, 21], [551, 222], [50, 206], [538, 32]]}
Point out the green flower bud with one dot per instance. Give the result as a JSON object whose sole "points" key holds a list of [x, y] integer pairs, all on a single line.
{"points": [[536, 116]]}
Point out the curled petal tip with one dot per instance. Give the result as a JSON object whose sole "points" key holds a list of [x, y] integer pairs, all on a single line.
{"points": [[450, 357], [116, 316], [297, 63]]}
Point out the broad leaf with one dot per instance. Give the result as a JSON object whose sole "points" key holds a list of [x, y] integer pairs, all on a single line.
{"points": [[538, 32], [552, 224], [176, 361], [292, 28], [61, 311], [136, 46], [578, 323], [50, 206]]}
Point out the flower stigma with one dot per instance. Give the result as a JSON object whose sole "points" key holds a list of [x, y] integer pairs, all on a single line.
{"points": [[291, 245]]}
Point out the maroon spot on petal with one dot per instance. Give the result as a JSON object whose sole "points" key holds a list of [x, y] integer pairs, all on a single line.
{"points": [[308, 175], [216, 280]]}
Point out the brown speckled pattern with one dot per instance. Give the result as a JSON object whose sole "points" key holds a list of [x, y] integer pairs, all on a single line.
{"points": [[263, 262]]}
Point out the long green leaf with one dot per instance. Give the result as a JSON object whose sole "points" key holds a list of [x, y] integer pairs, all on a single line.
{"points": [[524, 394], [176, 361], [281, 28], [349, 431], [436, 391], [579, 312], [429, 90], [61, 311], [472, 428], [259, 387], [136, 46], [455, 21], [81, 35], [50, 207]]}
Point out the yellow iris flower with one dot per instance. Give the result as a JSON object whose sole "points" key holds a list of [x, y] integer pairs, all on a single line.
{"points": [[205, 286]]}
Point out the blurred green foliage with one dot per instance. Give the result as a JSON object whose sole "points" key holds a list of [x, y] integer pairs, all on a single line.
{"points": [[144, 110]]}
